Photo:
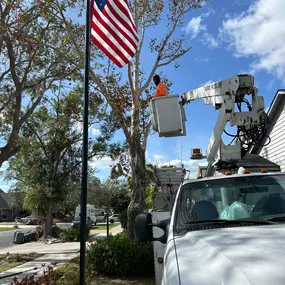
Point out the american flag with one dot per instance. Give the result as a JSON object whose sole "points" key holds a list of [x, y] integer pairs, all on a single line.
{"points": [[113, 30]]}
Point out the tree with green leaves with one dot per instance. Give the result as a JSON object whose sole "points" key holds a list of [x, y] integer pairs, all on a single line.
{"points": [[49, 160], [35, 56], [17, 200], [98, 195], [119, 200]]}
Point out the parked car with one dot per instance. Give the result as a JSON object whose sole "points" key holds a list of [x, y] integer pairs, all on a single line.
{"points": [[24, 220], [76, 222], [18, 220], [114, 218]]}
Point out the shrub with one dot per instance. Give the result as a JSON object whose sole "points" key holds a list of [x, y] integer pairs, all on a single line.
{"points": [[64, 275], [121, 256], [123, 218], [72, 234]]}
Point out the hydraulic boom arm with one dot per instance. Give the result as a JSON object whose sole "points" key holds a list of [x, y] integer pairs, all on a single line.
{"points": [[225, 95]]}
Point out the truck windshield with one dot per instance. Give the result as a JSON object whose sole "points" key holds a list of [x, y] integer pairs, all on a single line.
{"points": [[248, 197]]}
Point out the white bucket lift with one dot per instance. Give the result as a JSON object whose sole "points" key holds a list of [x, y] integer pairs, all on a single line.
{"points": [[168, 116]]}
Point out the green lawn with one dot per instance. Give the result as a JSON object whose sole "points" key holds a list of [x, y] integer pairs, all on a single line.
{"points": [[104, 226], [58, 221], [8, 261], [2, 229]]}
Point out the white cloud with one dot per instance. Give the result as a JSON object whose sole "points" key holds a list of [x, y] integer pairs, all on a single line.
{"points": [[195, 27], [209, 40], [227, 15], [95, 132], [3, 169], [259, 32], [203, 59], [190, 165], [158, 159], [4, 187], [242, 2], [77, 126], [270, 84], [5, 165], [101, 163]]}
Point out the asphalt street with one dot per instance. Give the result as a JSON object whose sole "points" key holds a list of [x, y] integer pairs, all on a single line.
{"points": [[6, 237]]}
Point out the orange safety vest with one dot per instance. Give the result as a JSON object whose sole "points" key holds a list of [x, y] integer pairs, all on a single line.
{"points": [[160, 90]]}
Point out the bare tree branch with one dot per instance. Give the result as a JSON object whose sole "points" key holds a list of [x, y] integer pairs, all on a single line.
{"points": [[140, 15], [4, 73], [80, 53], [174, 58], [38, 137], [27, 69], [164, 43], [31, 110], [12, 62], [131, 78]]}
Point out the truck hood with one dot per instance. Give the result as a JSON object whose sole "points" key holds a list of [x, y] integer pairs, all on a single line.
{"points": [[252, 255]]}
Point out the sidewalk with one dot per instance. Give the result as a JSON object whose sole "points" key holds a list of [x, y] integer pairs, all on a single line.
{"points": [[116, 230], [43, 248], [58, 253], [36, 266]]}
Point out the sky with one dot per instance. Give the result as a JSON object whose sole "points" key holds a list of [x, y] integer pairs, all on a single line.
{"points": [[228, 37]]}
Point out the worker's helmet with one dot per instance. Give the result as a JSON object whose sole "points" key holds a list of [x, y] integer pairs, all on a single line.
{"points": [[156, 79]]}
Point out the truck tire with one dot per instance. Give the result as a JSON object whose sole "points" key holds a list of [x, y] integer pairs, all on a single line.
{"points": [[112, 221]]}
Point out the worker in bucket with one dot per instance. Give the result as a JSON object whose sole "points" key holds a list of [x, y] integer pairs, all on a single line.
{"points": [[160, 87]]}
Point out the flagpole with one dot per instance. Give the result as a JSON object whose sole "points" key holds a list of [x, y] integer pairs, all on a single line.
{"points": [[83, 229]]}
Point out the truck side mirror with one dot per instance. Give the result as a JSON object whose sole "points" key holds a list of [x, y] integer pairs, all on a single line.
{"points": [[143, 228]]}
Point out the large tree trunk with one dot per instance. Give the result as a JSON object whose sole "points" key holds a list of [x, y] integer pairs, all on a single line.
{"points": [[48, 222], [137, 204]]}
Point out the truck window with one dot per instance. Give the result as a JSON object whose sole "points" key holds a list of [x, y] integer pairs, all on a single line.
{"points": [[253, 197]]}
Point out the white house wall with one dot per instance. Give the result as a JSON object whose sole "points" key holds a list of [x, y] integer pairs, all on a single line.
{"points": [[275, 151]]}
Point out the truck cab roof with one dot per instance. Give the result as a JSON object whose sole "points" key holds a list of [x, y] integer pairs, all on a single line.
{"points": [[231, 176]]}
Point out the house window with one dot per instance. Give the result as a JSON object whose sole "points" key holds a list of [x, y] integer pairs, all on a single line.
{"points": [[4, 216]]}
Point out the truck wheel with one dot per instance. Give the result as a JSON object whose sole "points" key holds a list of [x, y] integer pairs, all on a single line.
{"points": [[112, 221]]}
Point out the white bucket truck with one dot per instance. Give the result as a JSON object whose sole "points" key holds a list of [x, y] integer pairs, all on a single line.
{"points": [[227, 228]]}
